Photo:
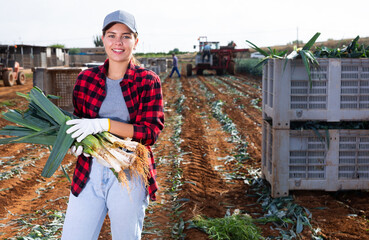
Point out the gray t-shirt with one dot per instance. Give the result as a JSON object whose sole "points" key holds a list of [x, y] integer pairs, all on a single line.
{"points": [[114, 106]]}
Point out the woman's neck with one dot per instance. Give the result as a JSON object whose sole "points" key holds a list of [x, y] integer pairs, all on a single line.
{"points": [[117, 70]]}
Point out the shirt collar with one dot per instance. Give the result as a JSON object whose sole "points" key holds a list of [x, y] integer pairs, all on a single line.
{"points": [[127, 77]]}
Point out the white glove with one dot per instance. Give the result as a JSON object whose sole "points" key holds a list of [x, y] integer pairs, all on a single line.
{"points": [[76, 151], [84, 127]]}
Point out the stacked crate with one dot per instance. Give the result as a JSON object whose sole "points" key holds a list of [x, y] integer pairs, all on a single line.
{"points": [[327, 160], [57, 81]]}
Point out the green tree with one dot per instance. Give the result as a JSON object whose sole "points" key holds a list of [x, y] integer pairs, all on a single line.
{"points": [[74, 51], [57, 45], [175, 51], [98, 41]]}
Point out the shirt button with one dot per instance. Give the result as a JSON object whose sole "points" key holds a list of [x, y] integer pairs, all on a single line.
{"points": [[95, 109]]}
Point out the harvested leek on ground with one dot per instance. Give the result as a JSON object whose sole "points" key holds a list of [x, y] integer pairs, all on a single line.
{"points": [[45, 123]]}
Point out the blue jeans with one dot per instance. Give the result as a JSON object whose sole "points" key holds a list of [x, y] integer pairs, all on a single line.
{"points": [[104, 194], [175, 69]]}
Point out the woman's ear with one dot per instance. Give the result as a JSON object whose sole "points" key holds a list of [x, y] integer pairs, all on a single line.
{"points": [[134, 48]]}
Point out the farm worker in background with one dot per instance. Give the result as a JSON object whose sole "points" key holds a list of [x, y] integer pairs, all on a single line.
{"points": [[175, 66], [125, 99], [206, 52]]}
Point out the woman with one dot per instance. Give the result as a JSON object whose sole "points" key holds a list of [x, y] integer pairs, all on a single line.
{"points": [[126, 100]]}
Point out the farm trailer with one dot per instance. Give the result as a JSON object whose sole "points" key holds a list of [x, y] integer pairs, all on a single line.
{"points": [[221, 58]]}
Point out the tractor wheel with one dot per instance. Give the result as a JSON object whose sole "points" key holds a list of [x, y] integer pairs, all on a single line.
{"points": [[189, 69], [21, 78], [231, 68], [199, 71], [8, 78]]}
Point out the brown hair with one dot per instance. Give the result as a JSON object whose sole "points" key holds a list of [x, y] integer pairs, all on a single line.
{"points": [[134, 60]]}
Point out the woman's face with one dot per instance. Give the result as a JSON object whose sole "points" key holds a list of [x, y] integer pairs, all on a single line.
{"points": [[119, 42]]}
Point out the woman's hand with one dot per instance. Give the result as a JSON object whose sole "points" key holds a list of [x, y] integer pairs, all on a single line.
{"points": [[76, 151], [83, 127]]}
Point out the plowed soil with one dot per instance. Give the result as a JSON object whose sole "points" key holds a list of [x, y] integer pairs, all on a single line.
{"points": [[194, 168]]}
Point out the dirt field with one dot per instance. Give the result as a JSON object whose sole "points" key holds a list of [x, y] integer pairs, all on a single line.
{"points": [[209, 148]]}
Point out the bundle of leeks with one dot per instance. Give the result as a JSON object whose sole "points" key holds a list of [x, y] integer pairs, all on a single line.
{"points": [[45, 123]]}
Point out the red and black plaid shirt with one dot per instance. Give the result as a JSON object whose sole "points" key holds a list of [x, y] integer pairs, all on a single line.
{"points": [[142, 93]]}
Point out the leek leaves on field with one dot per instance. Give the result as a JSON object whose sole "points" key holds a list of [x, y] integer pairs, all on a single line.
{"points": [[45, 123]]}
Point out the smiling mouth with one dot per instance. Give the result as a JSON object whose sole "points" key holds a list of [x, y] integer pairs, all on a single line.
{"points": [[118, 50]]}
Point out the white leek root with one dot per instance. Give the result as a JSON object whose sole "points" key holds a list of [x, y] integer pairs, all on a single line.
{"points": [[112, 149]]}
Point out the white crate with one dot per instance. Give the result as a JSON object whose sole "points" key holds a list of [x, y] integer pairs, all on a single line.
{"points": [[339, 91], [302, 160]]}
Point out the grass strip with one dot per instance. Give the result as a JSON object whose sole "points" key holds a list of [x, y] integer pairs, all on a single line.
{"points": [[234, 227]]}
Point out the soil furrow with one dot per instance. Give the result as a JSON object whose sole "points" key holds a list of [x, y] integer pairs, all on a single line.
{"points": [[244, 123], [245, 88], [159, 218], [209, 192]]}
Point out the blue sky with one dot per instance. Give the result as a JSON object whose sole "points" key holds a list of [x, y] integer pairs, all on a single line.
{"points": [[167, 24]]}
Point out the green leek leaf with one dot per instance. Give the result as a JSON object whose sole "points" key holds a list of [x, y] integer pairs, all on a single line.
{"points": [[60, 148], [307, 65], [35, 134], [17, 118], [46, 105], [258, 49], [34, 108], [65, 173], [44, 140], [311, 42], [16, 131]]}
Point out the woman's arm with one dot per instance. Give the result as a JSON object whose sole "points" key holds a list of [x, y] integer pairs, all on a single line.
{"points": [[121, 129]]}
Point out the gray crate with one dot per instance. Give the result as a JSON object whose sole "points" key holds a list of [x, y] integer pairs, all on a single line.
{"points": [[302, 160], [59, 82], [339, 91]]}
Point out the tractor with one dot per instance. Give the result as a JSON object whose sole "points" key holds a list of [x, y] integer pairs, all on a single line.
{"points": [[10, 71], [221, 58]]}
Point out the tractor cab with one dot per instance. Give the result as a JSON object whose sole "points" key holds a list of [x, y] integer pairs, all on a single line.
{"points": [[204, 55]]}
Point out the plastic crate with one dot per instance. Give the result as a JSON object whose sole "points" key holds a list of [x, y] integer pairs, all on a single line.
{"points": [[59, 82], [305, 160], [339, 91]]}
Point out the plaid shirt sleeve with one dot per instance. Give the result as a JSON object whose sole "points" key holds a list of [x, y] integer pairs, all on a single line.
{"points": [[149, 121]]}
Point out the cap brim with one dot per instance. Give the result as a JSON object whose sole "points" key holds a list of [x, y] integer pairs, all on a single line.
{"points": [[132, 29]]}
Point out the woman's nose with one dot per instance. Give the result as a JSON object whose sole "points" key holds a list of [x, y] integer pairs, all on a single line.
{"points": [[119, 40]]}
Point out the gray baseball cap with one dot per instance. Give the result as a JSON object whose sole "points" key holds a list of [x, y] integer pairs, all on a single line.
{"points": [[121, 16]]}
